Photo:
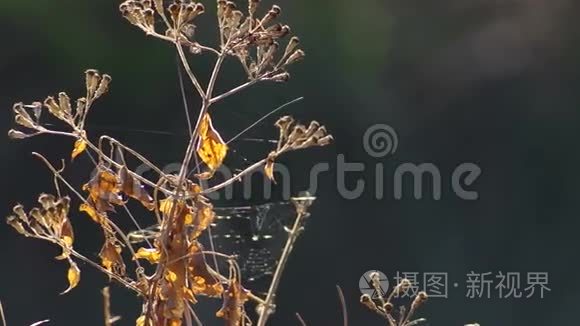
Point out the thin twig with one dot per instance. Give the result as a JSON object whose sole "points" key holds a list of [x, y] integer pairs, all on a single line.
{"points": [[235, 178], [109, 319], [187, 68], [41, 322], [300, 319], [2, 315], [293, 234], [343, 305]]}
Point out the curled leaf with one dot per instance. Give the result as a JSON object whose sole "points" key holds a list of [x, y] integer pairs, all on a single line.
{"points": [[152, 255], [269, 167], [104, 191], [80, 146], [111, 258], [133, 188], [73, 276], [211, 147], [92, 212]]}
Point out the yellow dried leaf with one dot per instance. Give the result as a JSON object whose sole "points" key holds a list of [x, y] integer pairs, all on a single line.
{"points": [[73, 275], [171, 276], [211, 147], [92, 212], [269, 167], [140, 321], [80, 146], [152, 255], [67, 234]]}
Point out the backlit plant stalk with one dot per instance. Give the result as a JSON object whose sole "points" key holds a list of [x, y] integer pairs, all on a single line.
{"points": [[180, 273]]}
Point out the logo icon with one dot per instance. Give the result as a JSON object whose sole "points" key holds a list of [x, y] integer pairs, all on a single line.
{"points": [[366, 286], [380, 140]]}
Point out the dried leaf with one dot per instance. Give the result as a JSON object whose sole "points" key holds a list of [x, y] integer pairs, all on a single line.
{"points": [[67, 233], [211, 148], [269, 167], [111, 258], [152, 255], [141, 320], [233, 306], [73, 276], [134, 189], [80, 146], [103, 191], [201, 217], [92, 212], [202, 281]]}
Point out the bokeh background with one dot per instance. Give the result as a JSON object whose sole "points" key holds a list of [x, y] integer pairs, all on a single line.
{"points": [[495, 83]]}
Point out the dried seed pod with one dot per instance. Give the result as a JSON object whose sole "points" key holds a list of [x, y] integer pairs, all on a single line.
{"points": [[46, 200], [284, 124], [36, 109], [271, 15], [53, 107], [280, 78], [64, 103], [326, 140], [292, 45], [280, 32], [15, 134], [19, 211], [103, 86], [81, 106], [268, 56], [297, 133], [295, 57], [149, 15], [38, 217], [22, 117], [14, 222], [253, 6], [312, 128], [221, 8], [91, 79], [146, 4], [174, 11]]}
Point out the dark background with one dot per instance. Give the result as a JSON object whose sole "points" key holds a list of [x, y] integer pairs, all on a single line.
{"points": [[494, 83]]}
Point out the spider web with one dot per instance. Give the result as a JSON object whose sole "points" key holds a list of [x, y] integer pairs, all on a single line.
{"points": [[255, 234]]}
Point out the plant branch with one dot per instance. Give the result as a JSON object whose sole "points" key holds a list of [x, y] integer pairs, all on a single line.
{"points": [[267, 307], [187, 68]]}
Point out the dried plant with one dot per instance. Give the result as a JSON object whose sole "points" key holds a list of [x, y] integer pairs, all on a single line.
{"points": [[384, 307], [180, 275], [177, 274]]}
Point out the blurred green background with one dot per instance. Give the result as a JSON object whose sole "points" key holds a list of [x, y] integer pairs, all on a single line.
{"points": [[495, 83]]}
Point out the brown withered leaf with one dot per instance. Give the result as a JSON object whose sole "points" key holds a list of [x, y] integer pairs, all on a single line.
{"points": [[201, 217], [73, 276], [202, 281], [80, 146], [103, 191], [134, 189], [233, 306], [211, 147], [92, 212], [269, 167], [111, 258]]}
